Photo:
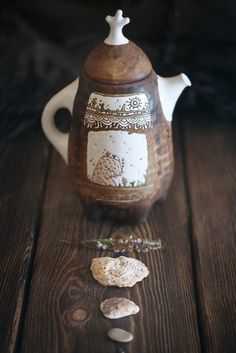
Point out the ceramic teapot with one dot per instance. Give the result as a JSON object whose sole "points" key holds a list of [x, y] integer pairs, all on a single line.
{"points": [[119, 148]]}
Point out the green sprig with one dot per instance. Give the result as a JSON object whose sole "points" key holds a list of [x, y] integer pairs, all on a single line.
{"points": [[128, 244]]}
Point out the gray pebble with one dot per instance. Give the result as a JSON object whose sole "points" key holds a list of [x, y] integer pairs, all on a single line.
{"points": [[119, 335]]}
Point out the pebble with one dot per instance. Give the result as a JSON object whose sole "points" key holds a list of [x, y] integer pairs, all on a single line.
{"points": [[119, 335]]}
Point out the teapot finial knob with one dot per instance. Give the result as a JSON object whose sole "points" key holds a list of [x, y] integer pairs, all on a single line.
{"points": [[117, 23]]}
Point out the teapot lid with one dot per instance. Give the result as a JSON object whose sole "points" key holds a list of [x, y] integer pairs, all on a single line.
{"points": [[117, 60]]}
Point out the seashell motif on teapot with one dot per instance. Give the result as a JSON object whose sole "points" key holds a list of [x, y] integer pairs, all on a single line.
{"points": [[120, 144]]}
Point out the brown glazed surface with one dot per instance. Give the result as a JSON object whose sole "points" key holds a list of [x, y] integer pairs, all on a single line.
{"points": [[117, 63], [127, 204]]}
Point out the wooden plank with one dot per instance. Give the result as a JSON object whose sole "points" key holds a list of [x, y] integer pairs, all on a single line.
{"points": [[23, 165], [63, 313], [211, 172]]}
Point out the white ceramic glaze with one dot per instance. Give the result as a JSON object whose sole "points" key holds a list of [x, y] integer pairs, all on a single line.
{"points": [[116, 24], [118, 111], [117, 158], [63, 99], [170, 88]]}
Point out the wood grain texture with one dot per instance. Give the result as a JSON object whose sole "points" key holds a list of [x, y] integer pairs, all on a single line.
{"points": [[211, 175], [117, 63], [23, 165], [63, 308]]}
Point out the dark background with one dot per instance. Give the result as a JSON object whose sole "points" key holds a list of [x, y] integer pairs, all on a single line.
{"points": [[43, 46]]}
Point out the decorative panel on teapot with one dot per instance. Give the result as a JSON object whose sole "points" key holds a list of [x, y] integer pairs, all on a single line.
{"points": [[117, 156]]}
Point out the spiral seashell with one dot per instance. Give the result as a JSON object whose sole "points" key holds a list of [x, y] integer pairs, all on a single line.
{"points": [[121, 271]]}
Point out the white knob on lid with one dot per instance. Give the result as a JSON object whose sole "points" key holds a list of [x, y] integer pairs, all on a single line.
{"points": [[116, 24]]}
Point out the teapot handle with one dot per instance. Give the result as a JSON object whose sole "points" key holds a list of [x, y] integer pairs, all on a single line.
{"points": [[63, 99]]}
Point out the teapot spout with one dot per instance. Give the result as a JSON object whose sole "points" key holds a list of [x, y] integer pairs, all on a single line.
{"points": [[169, 90]]}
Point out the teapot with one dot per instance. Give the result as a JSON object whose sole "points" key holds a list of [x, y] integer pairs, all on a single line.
{"points": [[119, 148]]}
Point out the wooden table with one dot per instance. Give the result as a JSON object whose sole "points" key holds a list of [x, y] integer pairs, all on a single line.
{"points": [[188, 301]]}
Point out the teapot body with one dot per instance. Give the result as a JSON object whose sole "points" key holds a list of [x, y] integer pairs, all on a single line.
{"points": [[120, 148]]}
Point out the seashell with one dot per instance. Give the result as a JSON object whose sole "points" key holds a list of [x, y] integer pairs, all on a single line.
{"points": [[121, 271], [114, 308]]}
